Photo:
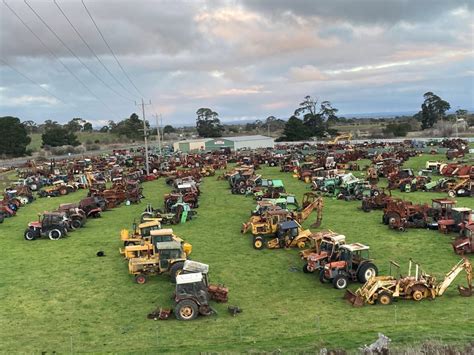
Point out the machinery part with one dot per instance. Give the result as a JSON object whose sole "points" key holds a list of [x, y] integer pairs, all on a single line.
{"points": [[30, 235], [384, 298], [140, 279], [258, 243], [176, 270], [340, 282], [366, 272], [186, 310], [54, 234]]}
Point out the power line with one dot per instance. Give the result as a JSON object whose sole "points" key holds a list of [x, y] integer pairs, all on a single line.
{"points": [[110, 49], [92, 51], [69, 49], [58, 59], [34, 82]]}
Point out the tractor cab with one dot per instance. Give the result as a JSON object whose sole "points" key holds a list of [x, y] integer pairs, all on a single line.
{"points": [[442, 208], [326, 251], [353, 264], [463, 216], [168, 252], [144, 229]]}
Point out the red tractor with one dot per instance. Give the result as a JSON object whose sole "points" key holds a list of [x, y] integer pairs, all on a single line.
{"points": [[53, 225]]}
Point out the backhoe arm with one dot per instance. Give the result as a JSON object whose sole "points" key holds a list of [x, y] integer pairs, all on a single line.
{"points": [[463, 264]]}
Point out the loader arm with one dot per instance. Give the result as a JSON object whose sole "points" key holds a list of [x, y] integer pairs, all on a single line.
{"points": [[463, 264]]}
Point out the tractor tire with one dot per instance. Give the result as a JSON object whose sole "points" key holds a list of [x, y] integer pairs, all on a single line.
{"points": [[55, 234], [140, 279], [366, 271], [76, 223], [63, 191], [186, 310], [29, 235], [452, 193], [340, 282], [242, 190], [384, 298], [176, 269], [322, 279], [258, 243], [306, 270], [2, 217]]}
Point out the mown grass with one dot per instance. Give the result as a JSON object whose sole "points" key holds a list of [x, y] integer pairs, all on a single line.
{"points": [[58, 296]]}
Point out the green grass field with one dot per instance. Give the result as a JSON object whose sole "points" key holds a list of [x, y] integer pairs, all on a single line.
{"points": [[58, 296]]}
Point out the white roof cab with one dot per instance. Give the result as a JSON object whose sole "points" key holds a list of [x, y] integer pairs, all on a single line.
{"points": [[188, 278]]}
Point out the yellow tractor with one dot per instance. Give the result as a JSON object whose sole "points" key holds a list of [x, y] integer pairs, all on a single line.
{"points": [[140, 231], [156, 259], [289, 234], [156, 236], [416, 286]]}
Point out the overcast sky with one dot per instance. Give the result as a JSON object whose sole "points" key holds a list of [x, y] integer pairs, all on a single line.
{"points": [[245, 59]]}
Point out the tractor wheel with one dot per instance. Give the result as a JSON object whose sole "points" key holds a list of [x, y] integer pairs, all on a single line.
{"points": [[176, 269], [2, 217], [24, 200], [306, 270], [384, 298], [418, 294], [322, 278], [242, 190], [76, 223], [301, 244], [258, 243], [340, 282], [140, 279], [366, 272], [63, 191], [54, 234], [186, 310], [30, 235], [452, 193]]}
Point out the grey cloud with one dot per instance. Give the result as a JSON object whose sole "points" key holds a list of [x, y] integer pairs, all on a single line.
{"points": [[362, 11]]}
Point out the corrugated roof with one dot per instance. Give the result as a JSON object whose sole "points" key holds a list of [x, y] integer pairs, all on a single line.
{"points": [[246, 138]]}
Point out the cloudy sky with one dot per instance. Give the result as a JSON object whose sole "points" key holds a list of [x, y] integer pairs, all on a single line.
{"points": [[245, 59]]}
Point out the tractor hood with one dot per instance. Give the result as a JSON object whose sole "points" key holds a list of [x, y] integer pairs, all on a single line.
{"points": [[34, 224], [316, 257]]}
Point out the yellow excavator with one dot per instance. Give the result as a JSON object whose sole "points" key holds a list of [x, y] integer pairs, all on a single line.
{"points": [[416, 286], [341, 138]]}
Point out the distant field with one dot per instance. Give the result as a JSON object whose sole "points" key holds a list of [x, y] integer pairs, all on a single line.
{"points": [[59, 297]]}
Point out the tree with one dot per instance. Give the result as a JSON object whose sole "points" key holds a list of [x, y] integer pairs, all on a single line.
{"points": [[208, 123], [31, 126], [397, 129], [294, 130], [316, 120], [87, 127], [131, 127], [59, 136], [75, 125], [14, 137], [104, 129], [168, 129], [432, 109]]}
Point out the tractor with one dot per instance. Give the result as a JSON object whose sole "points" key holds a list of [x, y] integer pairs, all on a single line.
{"points": [[155, 236], [77, 217], [464, 243], [464, 188], [178, 213], [139, 232], [53, 225], [158, 258], [59, 188], [194, 293], [377, 200], [353, 264], [325, 251], [269, 189], [399, 214], [460, 219], [418, 286], [289, 234]]}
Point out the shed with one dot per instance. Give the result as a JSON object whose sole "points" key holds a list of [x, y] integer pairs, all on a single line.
{"points": [[192, 145], [235, 143]]}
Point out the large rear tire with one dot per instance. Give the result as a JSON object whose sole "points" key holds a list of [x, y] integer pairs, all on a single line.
{"points": [[186, 310], [29, 235], [340, 282], [366, 271], [55, 234], [176, 269]]}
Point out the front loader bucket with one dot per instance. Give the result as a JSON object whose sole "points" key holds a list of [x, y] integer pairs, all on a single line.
{"points": [[353, 299], [465, 291]]}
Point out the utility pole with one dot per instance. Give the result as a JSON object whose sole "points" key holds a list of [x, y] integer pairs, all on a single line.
{"points": [[158, 133], [145, 133], [162, 130]]}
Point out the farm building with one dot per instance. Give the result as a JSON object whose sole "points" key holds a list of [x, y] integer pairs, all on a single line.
{"points": [[233, 143], [192, 145]]}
